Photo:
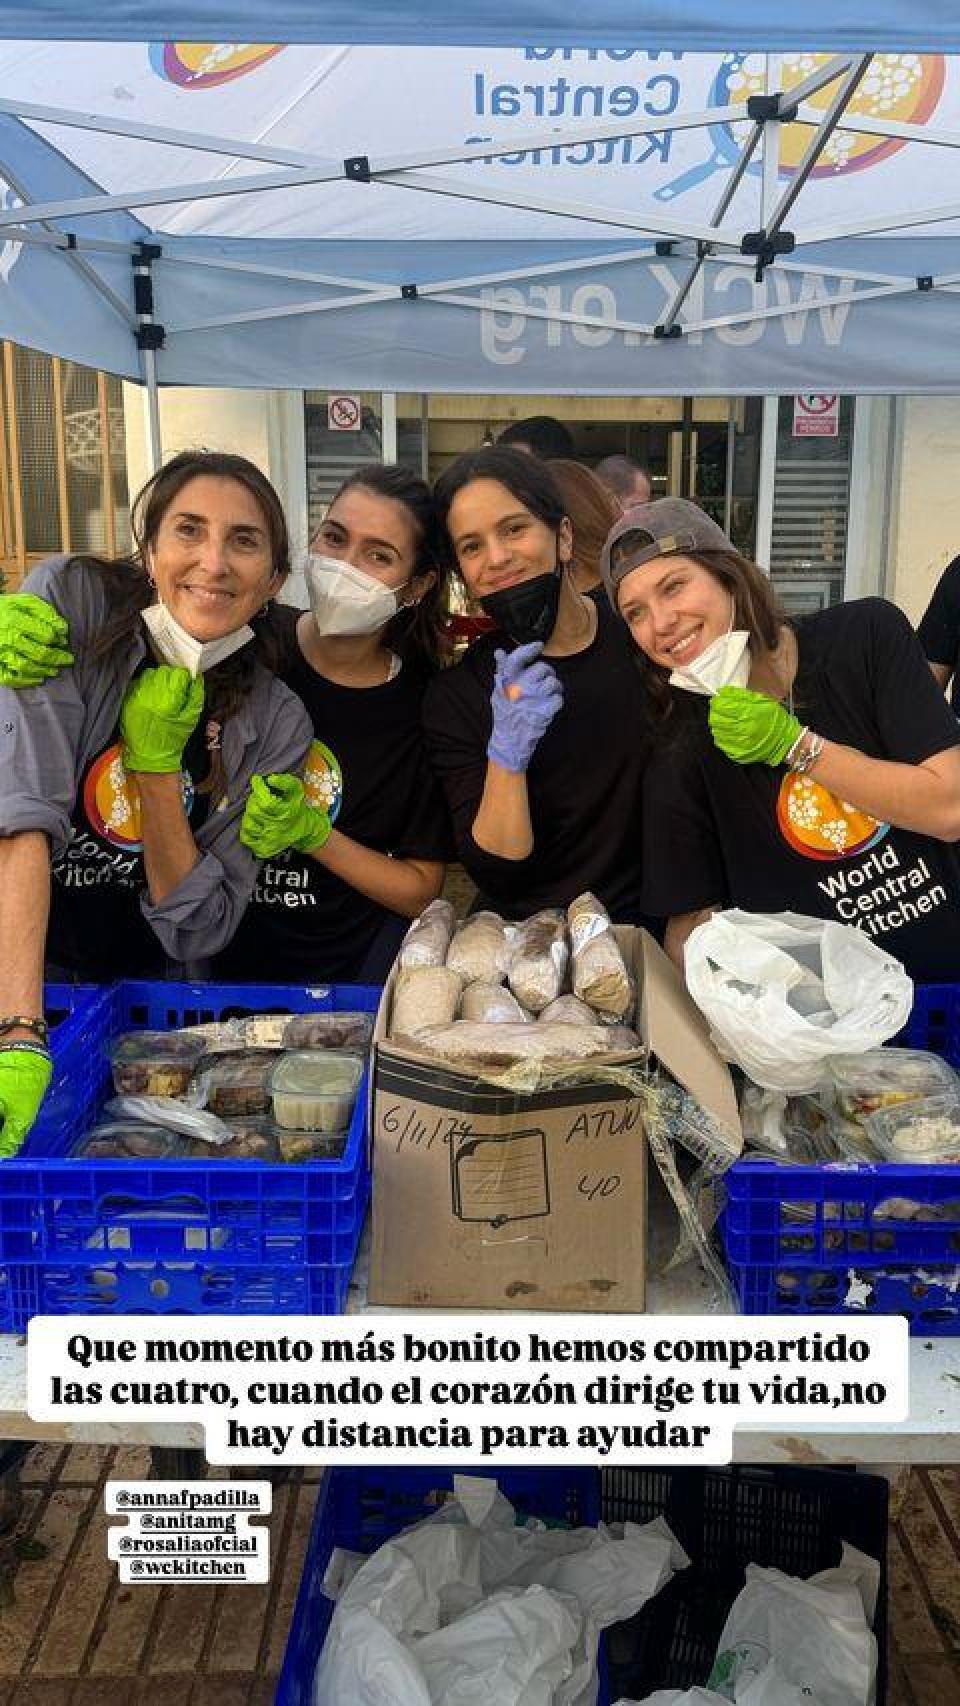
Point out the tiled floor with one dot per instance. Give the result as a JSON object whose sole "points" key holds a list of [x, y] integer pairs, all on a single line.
{"points": [[74, 1637]]}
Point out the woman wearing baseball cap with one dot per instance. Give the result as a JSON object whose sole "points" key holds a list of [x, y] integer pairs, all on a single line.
{"points": [[810, 766]]}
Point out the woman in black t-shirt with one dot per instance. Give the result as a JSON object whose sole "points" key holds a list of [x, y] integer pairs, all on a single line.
{"points": [[812, 767], [358, 849], [535, 734]]}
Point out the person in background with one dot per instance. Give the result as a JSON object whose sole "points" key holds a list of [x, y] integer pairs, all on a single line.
{"points": [[592, 511], [539, 435], [124, 776], [626, 480], [939, 632], [810, 767], [537, 734]]}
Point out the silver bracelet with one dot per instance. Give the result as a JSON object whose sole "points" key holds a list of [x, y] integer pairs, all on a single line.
{"points": [[791, 753], [809, 756]]}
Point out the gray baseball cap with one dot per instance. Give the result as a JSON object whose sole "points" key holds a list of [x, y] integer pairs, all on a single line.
{"points": [[666, 527]]}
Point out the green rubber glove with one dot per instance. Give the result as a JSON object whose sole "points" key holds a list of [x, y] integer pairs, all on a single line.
{"points": [[277, 816], [161, 709], [24, 1077], [33, 640], [752, 728]]}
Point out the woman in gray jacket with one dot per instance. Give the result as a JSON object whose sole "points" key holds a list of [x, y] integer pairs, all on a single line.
{"points": [[123, 778]]}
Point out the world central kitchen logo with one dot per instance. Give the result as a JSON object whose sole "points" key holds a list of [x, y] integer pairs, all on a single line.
{"points": [[573, 84]]}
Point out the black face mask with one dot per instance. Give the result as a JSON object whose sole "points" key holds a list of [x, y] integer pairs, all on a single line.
{"points": [[528, 610]]}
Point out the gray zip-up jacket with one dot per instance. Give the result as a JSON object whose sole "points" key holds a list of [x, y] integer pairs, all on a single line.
{"points": [[49, 734]]}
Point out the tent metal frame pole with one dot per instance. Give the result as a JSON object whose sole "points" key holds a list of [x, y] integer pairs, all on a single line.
{"points": [[817, 144], [767, 471], [686, 285], [190, 139], [78, 262], [52, 238], [817, 80], [389, 170], [896, 129], [152, 397], [655, 225], [150, 337], [891, 222], [810, 304]]}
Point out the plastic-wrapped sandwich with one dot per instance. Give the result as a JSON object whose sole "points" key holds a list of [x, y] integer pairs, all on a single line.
{"points": [[600, 975], [539, 959], [480, 951], [424, 995], [428, 937]]}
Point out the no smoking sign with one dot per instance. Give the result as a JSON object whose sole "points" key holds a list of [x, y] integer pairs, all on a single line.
{"points": [[816, 415], [344, 413]]}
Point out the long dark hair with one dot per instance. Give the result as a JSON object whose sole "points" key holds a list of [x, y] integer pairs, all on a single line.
{"points": [[129, 589], [527, 478], [755, 608], [417, 632]]}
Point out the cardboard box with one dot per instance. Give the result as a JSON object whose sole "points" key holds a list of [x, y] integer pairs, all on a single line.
{"points": [[489, 1199]]}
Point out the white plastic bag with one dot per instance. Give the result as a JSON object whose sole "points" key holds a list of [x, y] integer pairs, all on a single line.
{"points": [[787, 1640], [784, 993], [467, 1608]]}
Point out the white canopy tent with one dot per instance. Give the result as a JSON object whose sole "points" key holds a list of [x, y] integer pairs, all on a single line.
{"points": [[589, 216]]}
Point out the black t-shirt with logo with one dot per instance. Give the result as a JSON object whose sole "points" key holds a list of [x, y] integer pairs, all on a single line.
{"points": [[97, 930], [368, 769], [766, 840], [939, 631]]}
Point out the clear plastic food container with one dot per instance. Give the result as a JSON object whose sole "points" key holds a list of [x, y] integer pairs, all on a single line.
{"points": [[314, 1090], [250, 1140], [236, 1084], [885, 1077], [328, 1030], [154, 1063], [126, 1140], [925, 1130], [310, 1145]]}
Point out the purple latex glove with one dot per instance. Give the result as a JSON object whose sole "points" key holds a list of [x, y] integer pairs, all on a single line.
{"points": [[526, 697]]}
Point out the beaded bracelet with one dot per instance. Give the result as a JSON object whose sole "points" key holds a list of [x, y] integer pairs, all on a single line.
{"points": [[25, 1022], [26, 1048]]}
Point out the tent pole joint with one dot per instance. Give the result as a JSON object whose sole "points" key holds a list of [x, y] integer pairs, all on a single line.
{"points": [[144, 251], [150, 336], [357, 168], [664, 247], [766, 246], [408, 292], [925, 283], [673, 331], [771, 109]]}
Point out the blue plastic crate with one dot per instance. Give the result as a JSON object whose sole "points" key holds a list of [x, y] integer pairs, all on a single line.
{"points": [[934, 1023], [361, 1508], [179, 1236], [834, 1239]]}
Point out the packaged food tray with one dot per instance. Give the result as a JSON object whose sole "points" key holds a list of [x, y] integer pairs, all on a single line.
{"points": [[191, 1236]]}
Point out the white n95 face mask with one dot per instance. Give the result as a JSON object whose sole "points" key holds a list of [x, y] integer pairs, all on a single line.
{"points": [[180, 649], [346, 601], [724, 663]]}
